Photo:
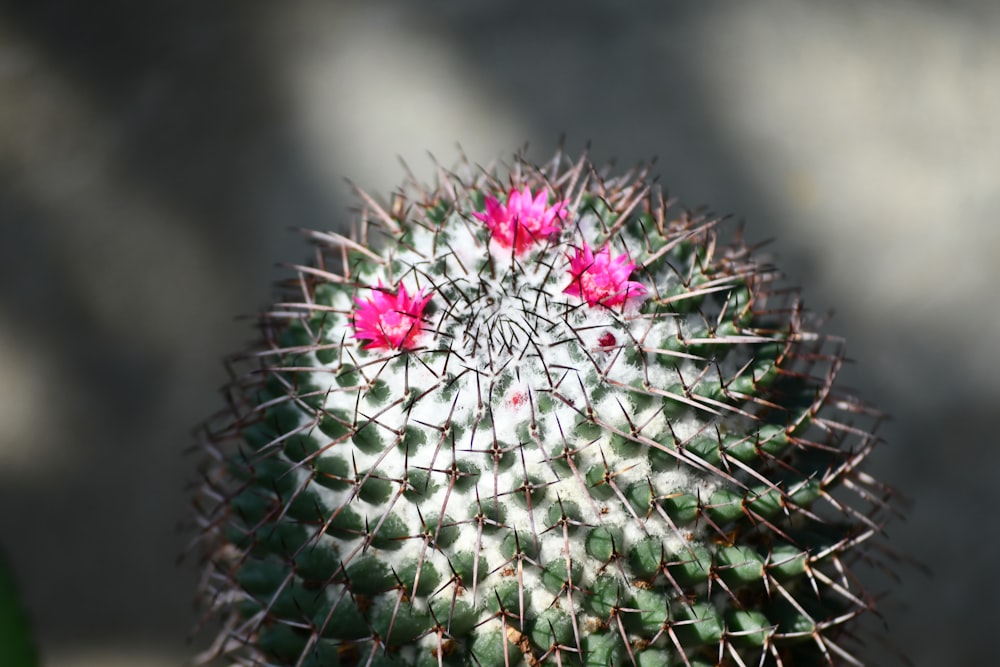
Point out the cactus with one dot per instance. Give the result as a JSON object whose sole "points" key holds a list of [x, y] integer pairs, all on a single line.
{"points": [[531, 418]]}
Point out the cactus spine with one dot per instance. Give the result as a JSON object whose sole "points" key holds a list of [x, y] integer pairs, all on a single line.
{"points": [[543, 423]]}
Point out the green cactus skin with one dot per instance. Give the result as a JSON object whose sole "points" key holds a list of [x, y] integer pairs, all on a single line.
{"points": [[528, 478]]}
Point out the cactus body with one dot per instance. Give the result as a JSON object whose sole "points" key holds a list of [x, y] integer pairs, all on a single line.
{"points": [[537, 422]]}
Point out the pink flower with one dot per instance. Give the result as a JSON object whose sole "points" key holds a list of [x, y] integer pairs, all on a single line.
{"points": [[389, 321], [522, 220], [602, 279]]}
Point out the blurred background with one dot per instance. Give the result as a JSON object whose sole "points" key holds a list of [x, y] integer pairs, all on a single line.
{"points": [[154, 154]]}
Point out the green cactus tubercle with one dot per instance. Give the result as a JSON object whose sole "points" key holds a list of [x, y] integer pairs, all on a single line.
{"points": [[534, 419]]}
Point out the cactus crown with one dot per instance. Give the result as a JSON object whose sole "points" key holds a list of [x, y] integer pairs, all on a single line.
{"points": [[545, 423]]}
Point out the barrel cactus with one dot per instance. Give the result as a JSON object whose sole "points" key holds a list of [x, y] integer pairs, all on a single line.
{"points": [[528, 416]]}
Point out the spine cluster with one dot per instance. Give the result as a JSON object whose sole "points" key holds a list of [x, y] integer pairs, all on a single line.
{"points": [[537, 421]]}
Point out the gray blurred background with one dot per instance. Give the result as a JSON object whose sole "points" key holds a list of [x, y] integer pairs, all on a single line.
{"points": [[154, 154]]}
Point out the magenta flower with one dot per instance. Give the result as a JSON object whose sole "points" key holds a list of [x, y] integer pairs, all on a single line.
{"points": [[601, 278], [389, 321], [523, 220]]}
